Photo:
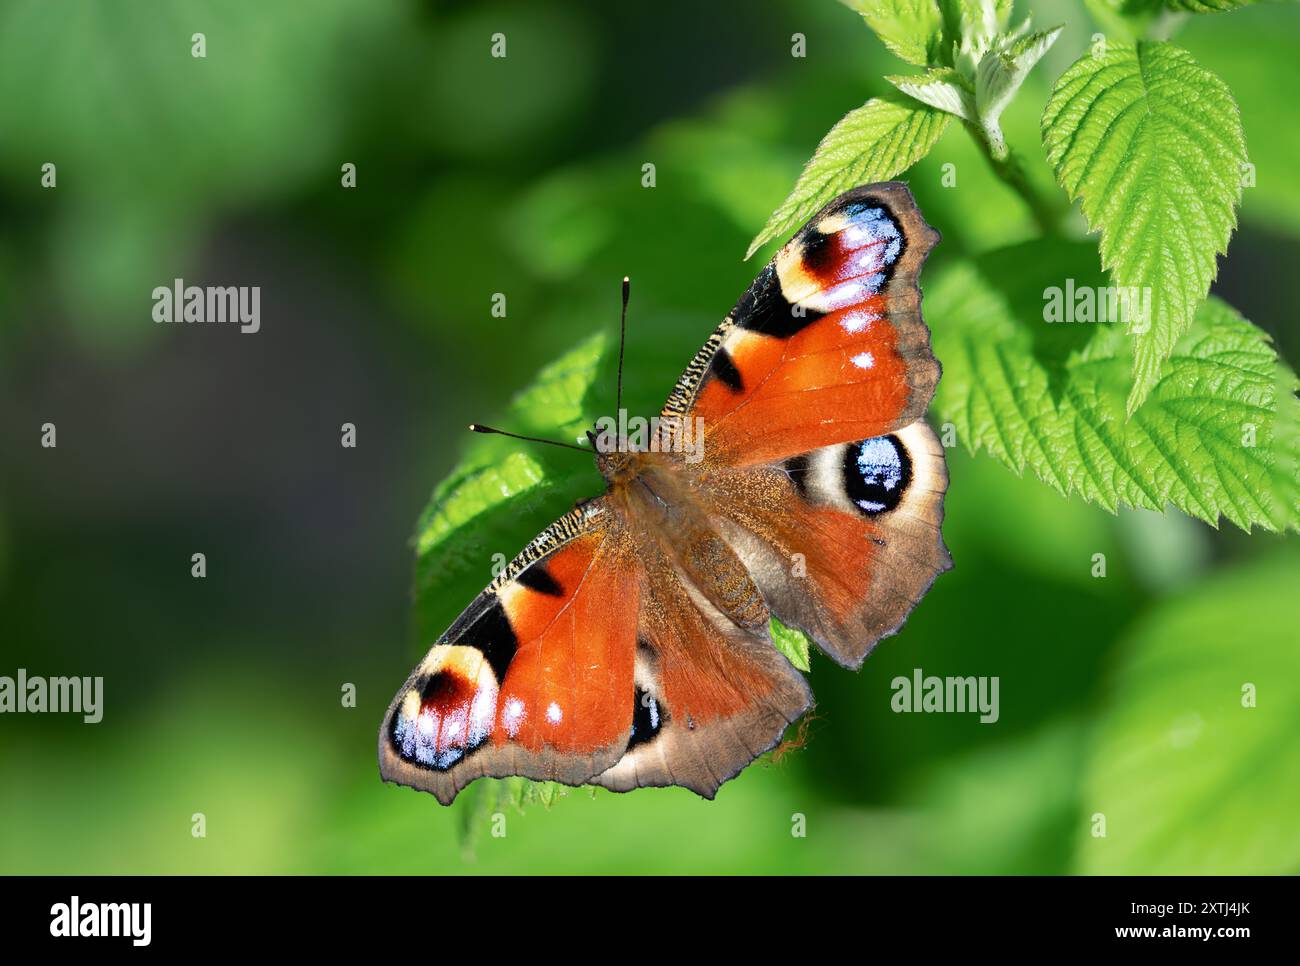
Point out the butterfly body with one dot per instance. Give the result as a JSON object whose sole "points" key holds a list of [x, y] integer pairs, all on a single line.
{"points": [[628, 644]]}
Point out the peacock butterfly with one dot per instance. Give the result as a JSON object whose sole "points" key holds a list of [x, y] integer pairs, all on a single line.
{"points": [[628, 645]]}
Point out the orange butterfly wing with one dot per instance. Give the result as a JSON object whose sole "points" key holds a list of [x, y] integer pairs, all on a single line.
{"points": [[535, 678], [817, 465], [711, 694], [589, 660], [845, 540], [827, 345]]}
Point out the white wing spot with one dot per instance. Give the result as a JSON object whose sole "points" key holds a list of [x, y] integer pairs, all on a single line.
{"points": [[857, 321], [512, 715]]}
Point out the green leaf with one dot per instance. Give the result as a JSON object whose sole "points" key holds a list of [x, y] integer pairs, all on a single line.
{"points": [[1216, 437], [999, 75], [942, 88], [468, 492], [911, 29], [978, 19], [1001, 72], [975, 26], [1191, 779], [989, 64], [1152, 143], [875, 142], [791, 642]]}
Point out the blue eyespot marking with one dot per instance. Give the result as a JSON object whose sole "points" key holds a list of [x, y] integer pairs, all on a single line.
{"points": [[876, 474], [873, 226], [647, 718]]}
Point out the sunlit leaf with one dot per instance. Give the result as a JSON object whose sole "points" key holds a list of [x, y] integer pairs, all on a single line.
{"points": [[911, 29], [791, 642], [942, 88], [1152, 143], [1216, 437], [879, 140], [1001, 72]]}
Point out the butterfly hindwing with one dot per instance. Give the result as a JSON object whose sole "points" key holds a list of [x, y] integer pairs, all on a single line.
{"points": [[535, 678], [844, 540], [827, 345], [711, 695]]}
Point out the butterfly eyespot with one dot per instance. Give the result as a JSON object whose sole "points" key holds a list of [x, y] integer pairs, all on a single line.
{"points": [[448, 711], [877, 473], [647, 718]]}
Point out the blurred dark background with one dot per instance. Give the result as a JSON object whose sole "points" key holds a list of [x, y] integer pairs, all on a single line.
{"points": [[523, 176]]}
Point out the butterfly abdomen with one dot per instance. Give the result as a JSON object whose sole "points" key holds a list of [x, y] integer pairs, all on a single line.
{"points": [[719, 574]]}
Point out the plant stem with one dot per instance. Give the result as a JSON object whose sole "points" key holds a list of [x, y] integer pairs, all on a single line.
{"points": [[1166, 25], [1006, 165]]}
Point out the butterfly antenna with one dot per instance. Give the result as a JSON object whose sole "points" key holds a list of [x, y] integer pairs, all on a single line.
{"points": [[622, 340], [488, 430]]}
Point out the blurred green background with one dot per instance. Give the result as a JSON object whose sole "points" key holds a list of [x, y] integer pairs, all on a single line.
{"points": [[1119, 695]]}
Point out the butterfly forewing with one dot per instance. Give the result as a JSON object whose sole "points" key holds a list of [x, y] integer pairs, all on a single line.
{"points": [[828, 345], [535, 678]]}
